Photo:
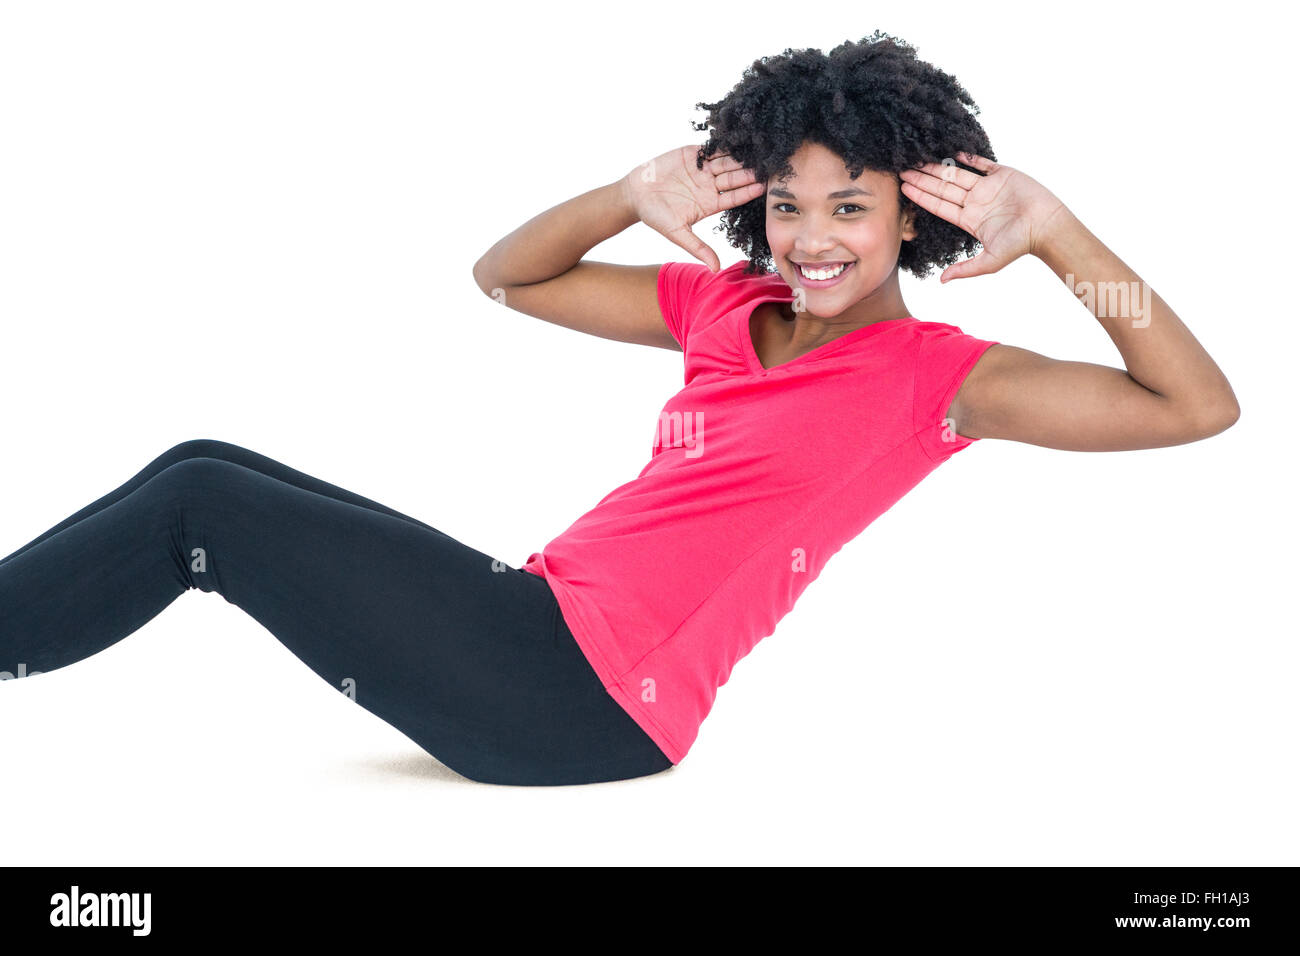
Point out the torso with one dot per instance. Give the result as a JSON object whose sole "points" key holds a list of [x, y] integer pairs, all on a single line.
{"points": [[770, 331]]}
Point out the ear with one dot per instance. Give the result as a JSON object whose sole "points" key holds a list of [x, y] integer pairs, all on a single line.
{"points": [[908, 229], [907, 220]]}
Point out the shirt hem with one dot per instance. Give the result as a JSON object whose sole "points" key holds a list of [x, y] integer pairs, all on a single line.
{"points": [[607, 675]]}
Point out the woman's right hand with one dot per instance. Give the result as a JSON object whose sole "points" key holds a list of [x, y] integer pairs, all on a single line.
{"points": [[670, 195]]}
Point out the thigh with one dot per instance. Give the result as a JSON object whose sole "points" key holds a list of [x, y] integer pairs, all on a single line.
{"points": [[224, 451], [465, 655], [255, 461]]}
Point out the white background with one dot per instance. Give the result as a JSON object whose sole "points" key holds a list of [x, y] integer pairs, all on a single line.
{"points": [[256, 222]]}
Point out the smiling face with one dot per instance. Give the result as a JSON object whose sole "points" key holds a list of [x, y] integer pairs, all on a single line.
{"points": [[850, 230]]}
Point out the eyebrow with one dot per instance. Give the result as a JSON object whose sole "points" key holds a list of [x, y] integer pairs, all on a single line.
{"points": [[780, 193]]}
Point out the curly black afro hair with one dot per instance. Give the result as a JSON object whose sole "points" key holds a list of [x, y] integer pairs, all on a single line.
{"points": [[874, 104]]}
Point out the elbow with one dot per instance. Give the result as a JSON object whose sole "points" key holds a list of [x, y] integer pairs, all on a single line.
{"points": [[489, 283], [1218, 417], [1232, 412], [480, 277], [1225, 412]]}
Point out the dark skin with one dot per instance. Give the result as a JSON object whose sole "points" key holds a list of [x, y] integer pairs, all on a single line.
{"points": [[1170, 391], [819, 215]]}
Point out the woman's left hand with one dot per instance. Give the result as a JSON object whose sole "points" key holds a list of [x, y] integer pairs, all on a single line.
{"points": [[1006, 210]]}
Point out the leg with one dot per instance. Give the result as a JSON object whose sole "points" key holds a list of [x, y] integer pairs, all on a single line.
{"points": [[224, 451], [468, 660]]}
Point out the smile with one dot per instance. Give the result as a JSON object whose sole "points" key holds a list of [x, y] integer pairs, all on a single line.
{"points": [[824, 277]]}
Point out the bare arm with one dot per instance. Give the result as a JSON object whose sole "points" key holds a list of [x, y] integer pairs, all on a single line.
{"points": [[1171, 391], [538, 269]]}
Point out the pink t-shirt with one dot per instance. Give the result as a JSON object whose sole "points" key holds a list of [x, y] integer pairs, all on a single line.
{"points": [[756, 478]]}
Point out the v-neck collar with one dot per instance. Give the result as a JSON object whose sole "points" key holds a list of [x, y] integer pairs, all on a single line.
{"points": [[755, 367]]}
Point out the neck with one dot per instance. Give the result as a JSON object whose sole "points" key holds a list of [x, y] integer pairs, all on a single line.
{"points": [[806, 330]]}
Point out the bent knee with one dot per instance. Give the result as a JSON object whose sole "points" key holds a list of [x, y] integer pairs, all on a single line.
{"points": [[198, 448], [195, 478]]}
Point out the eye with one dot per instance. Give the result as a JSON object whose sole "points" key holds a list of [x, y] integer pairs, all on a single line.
{"points": [[848, 205]]}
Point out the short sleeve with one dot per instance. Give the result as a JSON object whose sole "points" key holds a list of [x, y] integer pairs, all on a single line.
{"points": [[680, 284], [944, 359]]}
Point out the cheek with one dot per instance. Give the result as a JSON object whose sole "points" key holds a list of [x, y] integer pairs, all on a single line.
{"points": [[870, 240]]}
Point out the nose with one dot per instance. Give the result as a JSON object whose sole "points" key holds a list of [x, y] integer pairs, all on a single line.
{"points": [[815, 242], [823, 249]]}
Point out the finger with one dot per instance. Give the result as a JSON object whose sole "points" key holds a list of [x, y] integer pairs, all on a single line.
{"points": [[982, 264], [733, 180], [695, 246], [722, 163], [738, 197], [948, 173], [936, 185], [979, 162], [942, 208]]}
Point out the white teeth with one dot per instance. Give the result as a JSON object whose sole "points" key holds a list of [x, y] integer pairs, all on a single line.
{"points": [[823, 273]]}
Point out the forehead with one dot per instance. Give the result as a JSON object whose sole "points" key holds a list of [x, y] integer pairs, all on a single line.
{"points": [[815, 167]]}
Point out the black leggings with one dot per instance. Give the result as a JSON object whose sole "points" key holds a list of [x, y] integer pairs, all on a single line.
{"points": [[469, 658]]}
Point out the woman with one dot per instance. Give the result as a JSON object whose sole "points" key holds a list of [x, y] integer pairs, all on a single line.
{"points": [[813, 400]]}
